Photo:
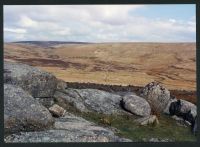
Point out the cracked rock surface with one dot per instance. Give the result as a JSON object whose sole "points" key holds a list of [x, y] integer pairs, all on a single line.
{"points": [[31, 79], [22, 112], [69, 128]]}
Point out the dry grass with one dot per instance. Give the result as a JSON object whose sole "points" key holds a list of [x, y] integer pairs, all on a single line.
{"points": [[173, 64]]}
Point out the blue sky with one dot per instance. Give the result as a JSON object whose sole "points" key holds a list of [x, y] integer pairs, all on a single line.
{"points": [[182, 12], [101, 23]]}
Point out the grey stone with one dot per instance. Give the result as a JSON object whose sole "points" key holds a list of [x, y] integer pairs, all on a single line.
{"points": [[180, 121], [57, 111], [158, 140], [187, 106], [69, 128], [166, 110], [38, 83], [61, 85], [47, 102], [136, 105], [152, 119], [22, 112], [157, 96], [70, 100], [91, 100]]}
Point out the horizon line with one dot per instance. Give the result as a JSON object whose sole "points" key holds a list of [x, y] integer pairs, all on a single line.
{"points": [[101, 42]]}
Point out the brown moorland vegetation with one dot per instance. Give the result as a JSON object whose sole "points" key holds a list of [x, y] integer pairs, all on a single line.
{"points": [[172, 64]]}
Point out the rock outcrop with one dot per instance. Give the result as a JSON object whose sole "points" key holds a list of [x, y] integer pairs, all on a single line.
{"points": [[28, 92], [157, 96], [69, 128], [47, 102], [36, 82], [136, 105], [188, 106], [91, 100], [22, 112]]}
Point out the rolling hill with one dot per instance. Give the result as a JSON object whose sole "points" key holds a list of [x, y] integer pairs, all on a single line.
{"points": [[173, 64]]}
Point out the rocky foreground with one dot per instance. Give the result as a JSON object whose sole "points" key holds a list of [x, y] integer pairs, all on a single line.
{"points": [[36, 108]]}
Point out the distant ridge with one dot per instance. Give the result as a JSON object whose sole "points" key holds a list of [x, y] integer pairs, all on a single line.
{"points": [[50, 43]]}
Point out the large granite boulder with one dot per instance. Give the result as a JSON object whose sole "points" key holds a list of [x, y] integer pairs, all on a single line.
{"points": [[46, 101], [31, 79], [22, 112], [91, 100], [157, 96], [69, 128], [74, 101], [181, 107], [136, 105]]}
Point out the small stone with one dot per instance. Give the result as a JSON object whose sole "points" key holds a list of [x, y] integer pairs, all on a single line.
{"points": [[152, 119], [57, 111], [61, 85], [102, 139]]}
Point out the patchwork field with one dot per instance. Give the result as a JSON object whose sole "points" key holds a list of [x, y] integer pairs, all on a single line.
{"points": [[172, 64]]}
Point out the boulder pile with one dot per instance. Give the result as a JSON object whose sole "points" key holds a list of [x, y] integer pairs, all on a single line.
{"points": [[32, 115]]}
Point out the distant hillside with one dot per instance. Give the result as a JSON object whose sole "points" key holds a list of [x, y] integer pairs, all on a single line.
{"points": [[172, 64], [49, 43]]}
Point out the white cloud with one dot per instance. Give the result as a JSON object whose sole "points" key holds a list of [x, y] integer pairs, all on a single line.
{"points": [[25, 21], [93, 23], [18, 31]]}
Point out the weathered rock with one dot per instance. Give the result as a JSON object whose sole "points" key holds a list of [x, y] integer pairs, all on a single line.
{"points": [[180, 121], [183, 108], [166, 110], [66, 100], [91, 100], [22, 112], [136, 105], [57, 111], [185, 111], [158, 140], [69, 128], [47, 102], [152, 119], [187, 106], [33, 80], [157, 96], [194, 127], [61, 85]]}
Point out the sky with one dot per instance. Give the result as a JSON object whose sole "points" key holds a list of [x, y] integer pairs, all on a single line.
{"points": [[100, 23]]}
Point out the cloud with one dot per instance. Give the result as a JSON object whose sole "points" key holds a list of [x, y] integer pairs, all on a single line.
{"points": [[18, 31], [93, 23], [25, 21]]}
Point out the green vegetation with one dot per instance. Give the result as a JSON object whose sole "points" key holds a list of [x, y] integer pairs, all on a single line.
{"points": [[127, 127]]}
